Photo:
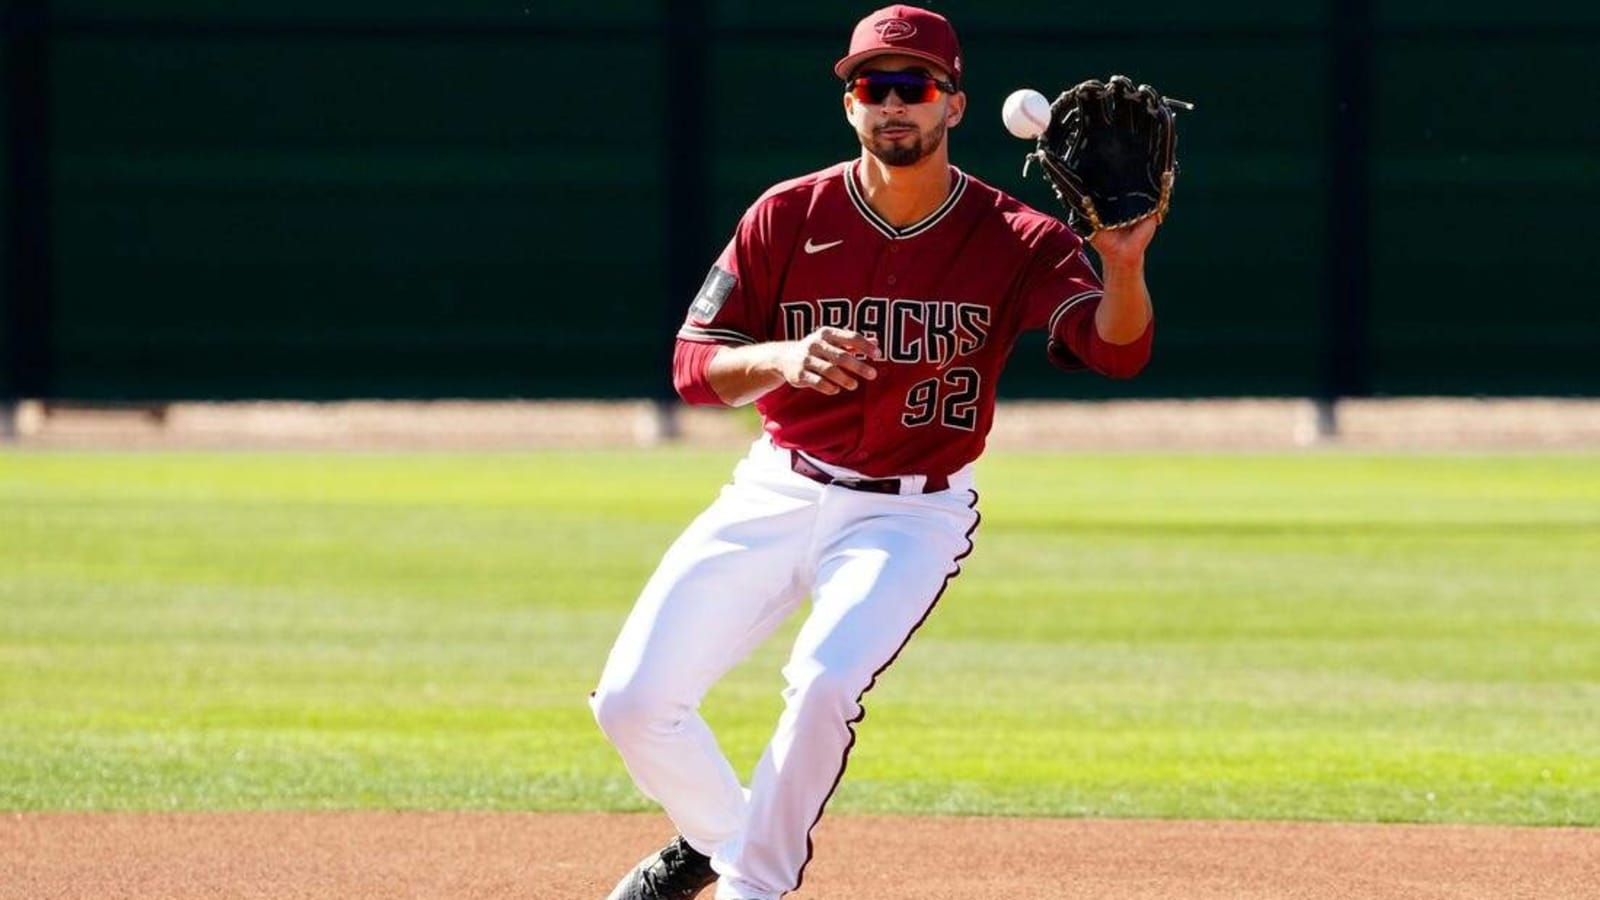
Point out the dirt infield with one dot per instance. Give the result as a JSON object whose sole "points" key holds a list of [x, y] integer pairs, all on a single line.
{"points": [[454, 856], [1437, 423]]}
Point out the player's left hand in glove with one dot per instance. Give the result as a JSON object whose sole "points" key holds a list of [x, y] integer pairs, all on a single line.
{"points": [[1110, 153]]}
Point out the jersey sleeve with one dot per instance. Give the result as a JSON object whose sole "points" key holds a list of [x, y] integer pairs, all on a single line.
{"points": [[1076, 344], [1060, 280], [1062, 293], [734, 305]]}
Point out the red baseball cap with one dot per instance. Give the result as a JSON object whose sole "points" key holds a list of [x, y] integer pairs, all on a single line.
{"points": [[906, 30]]}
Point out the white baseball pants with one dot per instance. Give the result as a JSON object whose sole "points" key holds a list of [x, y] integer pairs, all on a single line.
{"points": [[874, 565]]}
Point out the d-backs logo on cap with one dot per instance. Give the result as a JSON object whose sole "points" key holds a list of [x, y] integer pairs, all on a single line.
{"points": [[894, 29]]}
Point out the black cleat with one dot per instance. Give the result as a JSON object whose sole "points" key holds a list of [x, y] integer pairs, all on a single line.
{"points": [[676, 872]]}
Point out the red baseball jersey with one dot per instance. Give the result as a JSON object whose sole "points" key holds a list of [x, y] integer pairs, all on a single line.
{"points": [[945, 298]]}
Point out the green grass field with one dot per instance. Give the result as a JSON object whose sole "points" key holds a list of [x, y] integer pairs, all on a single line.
{"points": [[1316, 636]]}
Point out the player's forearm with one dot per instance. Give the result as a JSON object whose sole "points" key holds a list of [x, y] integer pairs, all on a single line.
{"points": [[739, 375], [828, 360], [1125, 311]]}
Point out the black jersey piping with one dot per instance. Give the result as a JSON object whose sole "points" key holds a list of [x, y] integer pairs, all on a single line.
{"points": [[914, 229], [1070, 302], [714, 335]]}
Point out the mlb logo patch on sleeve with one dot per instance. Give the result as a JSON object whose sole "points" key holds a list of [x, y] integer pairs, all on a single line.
{"points": [[719, 284]]}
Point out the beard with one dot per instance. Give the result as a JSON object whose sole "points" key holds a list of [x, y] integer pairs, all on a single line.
{"points": [[903, 151]]}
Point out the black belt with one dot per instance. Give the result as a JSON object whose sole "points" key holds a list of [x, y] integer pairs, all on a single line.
{"points": [[931, 485]]}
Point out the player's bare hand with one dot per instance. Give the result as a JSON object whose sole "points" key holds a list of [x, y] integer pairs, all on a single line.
{"points": [[829, 360], [1124, 247]]}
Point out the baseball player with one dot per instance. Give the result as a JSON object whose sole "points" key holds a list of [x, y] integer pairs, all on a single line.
{"points": [[867, 310]]}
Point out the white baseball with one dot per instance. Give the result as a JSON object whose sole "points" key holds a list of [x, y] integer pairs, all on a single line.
{"points": [[1026, 113]]}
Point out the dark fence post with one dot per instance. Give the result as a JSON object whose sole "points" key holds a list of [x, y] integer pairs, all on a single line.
{"points": [[27, 199], [686, 170], [1348, 281]]}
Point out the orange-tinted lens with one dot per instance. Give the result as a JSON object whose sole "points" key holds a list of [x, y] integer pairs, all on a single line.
{"points": [[874, 87]]}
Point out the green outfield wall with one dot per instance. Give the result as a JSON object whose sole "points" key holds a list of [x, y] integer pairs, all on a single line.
{"points": [[516, 199]]}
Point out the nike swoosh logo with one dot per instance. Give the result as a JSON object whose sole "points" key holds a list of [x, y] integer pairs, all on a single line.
{"points": [[818, 248]]}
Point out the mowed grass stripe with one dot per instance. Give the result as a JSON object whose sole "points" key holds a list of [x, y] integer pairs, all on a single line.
{"points": [[1366, 637]]}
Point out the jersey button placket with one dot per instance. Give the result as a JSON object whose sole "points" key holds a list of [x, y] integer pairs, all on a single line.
{"points": [[888, 262], [894, 258]]}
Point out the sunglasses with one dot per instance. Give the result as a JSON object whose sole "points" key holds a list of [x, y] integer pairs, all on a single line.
{"points": [[912, 87]]}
